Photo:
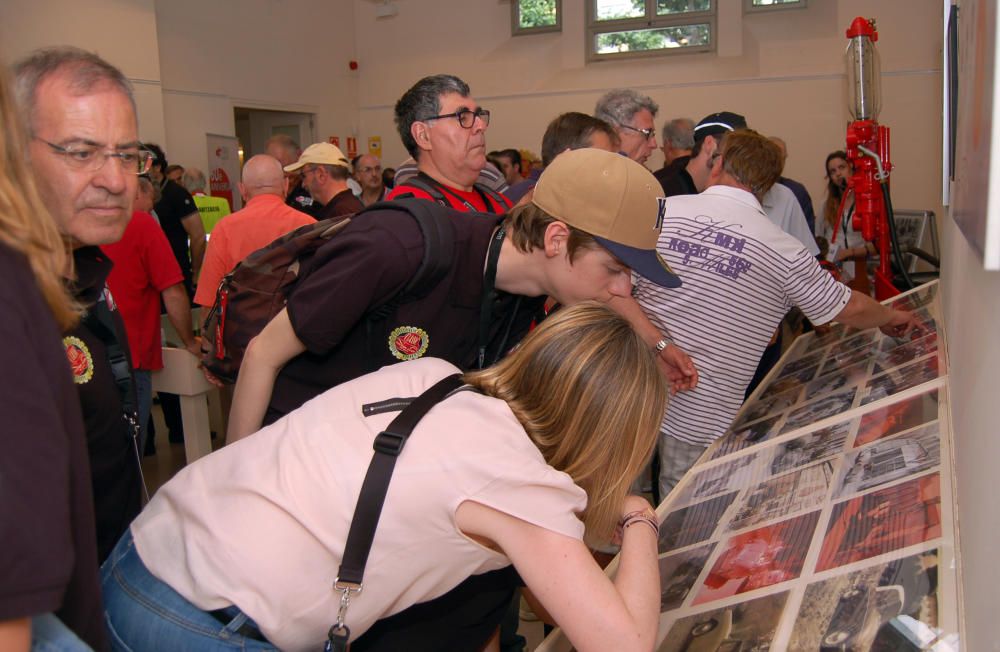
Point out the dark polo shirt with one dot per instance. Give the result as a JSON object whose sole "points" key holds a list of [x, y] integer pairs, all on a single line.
{"points": [[49, 550], [366, 265], [343, 203], [675, 179]]}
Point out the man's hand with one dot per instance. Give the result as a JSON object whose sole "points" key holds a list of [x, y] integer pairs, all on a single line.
{"points": [[212, 378], [678, 368], [900, 323], [193, 346]]}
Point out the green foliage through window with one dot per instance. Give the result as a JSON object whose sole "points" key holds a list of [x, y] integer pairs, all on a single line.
{"points": [[668, 7], [537, 13], [639, 40]]}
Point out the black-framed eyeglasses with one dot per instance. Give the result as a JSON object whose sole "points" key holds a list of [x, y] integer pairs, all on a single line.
{"points": [[647, 133], [92, 158], [466, 117]]}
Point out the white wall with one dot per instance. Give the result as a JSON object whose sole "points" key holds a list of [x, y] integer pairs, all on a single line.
{"points": [[784, 70], [972, 313], [121, 31]]}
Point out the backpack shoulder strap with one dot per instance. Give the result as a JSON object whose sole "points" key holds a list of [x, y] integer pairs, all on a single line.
{"points": [[497, 199], [416, 181], [439, 246], [388, 445]]}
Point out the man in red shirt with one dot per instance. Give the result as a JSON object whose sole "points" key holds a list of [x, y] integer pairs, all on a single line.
{"points": [[265, 218], [444, 129], [145, 271]]}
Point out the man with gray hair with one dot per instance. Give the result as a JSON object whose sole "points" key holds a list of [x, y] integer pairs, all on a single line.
{"points": [[212, 209], [86, 157], [632, 115], [444, 130], [263, 219], [678, 139]]}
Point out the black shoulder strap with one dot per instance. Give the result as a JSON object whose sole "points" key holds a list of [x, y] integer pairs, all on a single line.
{"points": [[388, 444], [498, 199], [431, 189], [439, 246]]}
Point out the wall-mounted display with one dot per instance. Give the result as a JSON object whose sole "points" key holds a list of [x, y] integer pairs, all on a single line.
{"points": [[823, 519]]}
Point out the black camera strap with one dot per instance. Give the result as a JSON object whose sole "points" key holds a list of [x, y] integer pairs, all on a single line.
{"points": [[388, 445]]}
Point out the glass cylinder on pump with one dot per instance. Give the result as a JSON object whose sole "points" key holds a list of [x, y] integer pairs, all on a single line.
{"points": [[864, 93]]}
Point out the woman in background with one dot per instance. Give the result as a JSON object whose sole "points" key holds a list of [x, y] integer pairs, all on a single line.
{"points": [[49, 594], [851, 248]]}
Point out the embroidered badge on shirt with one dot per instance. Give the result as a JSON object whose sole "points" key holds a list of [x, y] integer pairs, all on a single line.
{"points": [[408, 342], [80, 360]]}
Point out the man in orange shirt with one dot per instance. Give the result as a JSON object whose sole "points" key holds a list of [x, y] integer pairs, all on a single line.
{"points": [[264, 218]]}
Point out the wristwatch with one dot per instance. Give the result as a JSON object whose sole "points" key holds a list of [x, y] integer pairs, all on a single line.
{"points": [[662, 344]]}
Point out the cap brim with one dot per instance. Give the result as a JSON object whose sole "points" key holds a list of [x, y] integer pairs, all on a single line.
{"points": [[294, 166], [644, 262]]}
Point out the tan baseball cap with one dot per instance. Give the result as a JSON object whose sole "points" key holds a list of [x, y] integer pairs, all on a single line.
{"points": [[612, 198], [320, 154]]}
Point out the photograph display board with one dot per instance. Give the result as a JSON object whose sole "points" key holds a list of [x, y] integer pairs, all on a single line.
{"points": [[823, 519]]}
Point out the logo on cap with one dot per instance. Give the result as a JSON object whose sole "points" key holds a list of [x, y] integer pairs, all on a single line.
{"points": [[408, 342]]}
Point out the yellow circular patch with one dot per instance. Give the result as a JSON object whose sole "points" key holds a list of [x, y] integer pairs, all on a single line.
{"points": [[80, 360], [408, 342]]}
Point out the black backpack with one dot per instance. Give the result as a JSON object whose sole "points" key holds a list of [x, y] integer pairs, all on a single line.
{"points": [[258, 287]]}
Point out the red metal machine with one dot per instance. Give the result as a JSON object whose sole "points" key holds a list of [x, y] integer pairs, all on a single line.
{"points": [[868, 151]]}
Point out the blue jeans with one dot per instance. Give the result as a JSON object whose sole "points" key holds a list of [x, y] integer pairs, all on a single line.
{"points": [[142, 613], [49, 634], [144, 397]]}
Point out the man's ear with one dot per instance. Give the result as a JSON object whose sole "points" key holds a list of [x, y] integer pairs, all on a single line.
{"points": [[556, 239], [421, 133], [243, 191]]}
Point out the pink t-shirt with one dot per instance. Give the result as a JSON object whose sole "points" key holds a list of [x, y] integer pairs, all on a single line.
{"points": [[262, 523]]}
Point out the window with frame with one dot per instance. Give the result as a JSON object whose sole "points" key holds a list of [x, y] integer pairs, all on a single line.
{"points": [[638, 28], [535, 16], [750, 6]]}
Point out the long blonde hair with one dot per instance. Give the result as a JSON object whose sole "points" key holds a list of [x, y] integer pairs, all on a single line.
{"points": [[586, 389], [25, 223]]}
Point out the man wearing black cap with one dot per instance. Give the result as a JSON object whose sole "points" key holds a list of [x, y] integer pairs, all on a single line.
{"points": [[688, 175]]}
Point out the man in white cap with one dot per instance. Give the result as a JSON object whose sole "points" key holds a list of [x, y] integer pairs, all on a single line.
{"points": [[325, 171]]}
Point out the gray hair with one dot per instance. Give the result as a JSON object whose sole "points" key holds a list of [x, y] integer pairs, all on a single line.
{"points": [[619, 106], [85, 69], [679, 133], [285, 141], [421, 102], [193, 179]]}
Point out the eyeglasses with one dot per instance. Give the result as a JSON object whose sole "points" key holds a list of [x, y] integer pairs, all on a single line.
{"points": [[466, 117], [648, 133], [376, 168], [93, 158]]}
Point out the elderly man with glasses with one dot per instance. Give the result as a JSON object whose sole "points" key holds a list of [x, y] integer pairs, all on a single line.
{"points": [[444, 130], [86, 157], [632, 115]]}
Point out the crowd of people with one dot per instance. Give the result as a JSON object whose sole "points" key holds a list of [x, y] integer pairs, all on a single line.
{"points": [[597, 315]]}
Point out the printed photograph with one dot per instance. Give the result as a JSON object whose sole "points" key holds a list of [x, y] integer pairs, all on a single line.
{"points": [[819, 341], [863, 340], [836, 379], [749, 625], [844, 360], [771, 404], [890, 606], [737, 474], [678, 573], [897, 417], [758, 558], [922, 297], [882, 521], [820, 409], [811, 447], [694, 523], [905, 353], [783, 496], [793, 367], [889, 459], [899, 379], [746, 436]]}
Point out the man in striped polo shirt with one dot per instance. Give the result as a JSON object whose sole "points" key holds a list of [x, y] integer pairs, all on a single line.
{"points": [[741, 274]]}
